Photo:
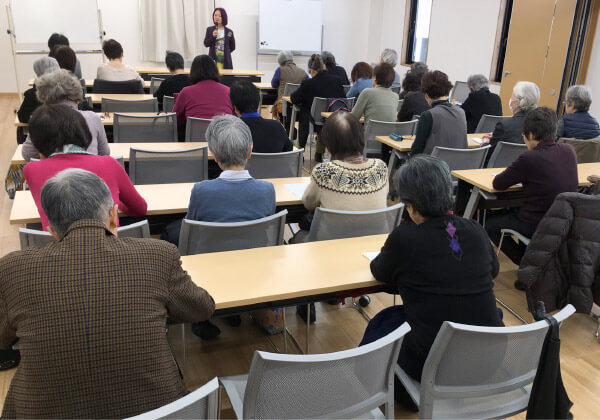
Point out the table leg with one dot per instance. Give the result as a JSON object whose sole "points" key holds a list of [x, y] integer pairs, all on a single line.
{"points": [[285, 338], [472, 204], [292, 123], [307, 326]]}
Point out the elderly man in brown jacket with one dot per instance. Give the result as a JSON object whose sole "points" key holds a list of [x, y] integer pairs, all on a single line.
{"points": [[89, 311]]}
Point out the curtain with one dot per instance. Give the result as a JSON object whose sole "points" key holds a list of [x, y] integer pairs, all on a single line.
{"points": [[176, 25]]}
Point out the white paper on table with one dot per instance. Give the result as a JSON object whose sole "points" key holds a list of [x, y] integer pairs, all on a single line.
{"points": [[370, 255], [297, 189], [477, 140]]}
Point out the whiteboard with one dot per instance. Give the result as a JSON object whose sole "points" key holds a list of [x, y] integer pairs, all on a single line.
{"points": [[294, 25], [35, 20]]}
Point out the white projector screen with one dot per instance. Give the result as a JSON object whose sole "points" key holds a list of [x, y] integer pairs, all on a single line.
{"points": [[35, 20], [294, 25]]}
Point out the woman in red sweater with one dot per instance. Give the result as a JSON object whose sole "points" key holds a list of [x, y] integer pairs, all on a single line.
{"points": [[61, 136]]}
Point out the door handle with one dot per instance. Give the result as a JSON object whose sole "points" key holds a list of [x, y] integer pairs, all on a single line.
{"points": [[506, 73]]}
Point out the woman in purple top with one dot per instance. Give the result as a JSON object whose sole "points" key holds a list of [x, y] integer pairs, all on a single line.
{"points": [[220, 40]]}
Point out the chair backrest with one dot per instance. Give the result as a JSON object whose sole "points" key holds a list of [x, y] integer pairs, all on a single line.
{"points": [[155, 83], [344, 384], [195, 129], [375, 128], [156, 76], [203, 237], [338, 224], [125, 86], [83, 86], [203, 403], [487, 123], [320, 105], [276, 165], [135, 230], [32, 238], [168, 103], [460, 92], [400, 102], [468, 363], [396, 89], [461, 158], [168, 167], [144, 128], [587, 151], [129, 105], [346, 88], [288, 89], [505, 153]]}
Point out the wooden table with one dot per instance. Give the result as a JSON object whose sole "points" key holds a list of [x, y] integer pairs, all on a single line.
{"points": [[222, 72], [161, 199], [122, 149], [482, 180], [97, 97], [106, 117]]}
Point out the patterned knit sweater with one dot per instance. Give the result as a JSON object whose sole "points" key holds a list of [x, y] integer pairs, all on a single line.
{"points": [[341, 185]]}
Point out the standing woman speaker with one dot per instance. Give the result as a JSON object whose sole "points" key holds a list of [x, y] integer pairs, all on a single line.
{"points": [[220, 40]]}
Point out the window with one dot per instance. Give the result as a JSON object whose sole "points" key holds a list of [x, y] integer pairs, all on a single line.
{"points": [[418, 31]]}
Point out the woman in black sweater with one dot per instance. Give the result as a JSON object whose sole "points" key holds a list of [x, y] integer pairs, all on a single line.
{"points": [[442, 266]]}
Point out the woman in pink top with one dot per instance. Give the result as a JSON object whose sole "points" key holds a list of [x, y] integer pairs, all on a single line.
{"points": [[206, 97], [61, 136]]}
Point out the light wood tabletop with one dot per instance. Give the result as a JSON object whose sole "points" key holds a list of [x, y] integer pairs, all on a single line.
{"points": [[106, 117], [97, 97], [161, 199], [483, 178], [122, 149], [284, 272], [89, 83], [407, 141], [287, 99], [222, 72]]}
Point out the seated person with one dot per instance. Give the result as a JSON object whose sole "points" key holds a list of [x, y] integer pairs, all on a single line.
{"points": [[390, 56], [362, 78], [205, 97], [59, 39], [414, 102], [178, 79], [268, 136], [61, 136], [418, 69], [524, 98], [30, 102], [333, 68], [287, 72], [92, 335], [444, 124], [446, 271], [480, 101], [61, 87], [115, 70], [577, 121], [322, 85], [67, 60], [546, 169]]}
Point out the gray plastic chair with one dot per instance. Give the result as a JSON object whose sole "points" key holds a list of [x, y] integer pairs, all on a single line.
{"points": [[461, 158], [400, 102], [460, 92], [195, 129], [319, 106], [276, 165], [345, 384], [168, 167], [155, 83], [396, 89], [338, 224], [287, 91], [202, 403], [346, 88], [135, 230], [505, 153], [374, 128], [487, 123], [129, 105], [144, 128], [203, 237], [479, 372], [168, 103]]}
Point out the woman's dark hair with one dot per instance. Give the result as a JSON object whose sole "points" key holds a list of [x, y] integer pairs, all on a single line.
{"points": [[315, 62], [203, 68], [435, 84], [244, 96], [224, 19], [411, 82], [384, 74], [57, 39], [343, 135], [174, 61], [112, 49], [66, 57], [51, 127], [361, 70], [541, 122]]}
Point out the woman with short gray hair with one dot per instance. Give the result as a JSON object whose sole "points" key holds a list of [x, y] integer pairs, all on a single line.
{"points": [[41, 66], [480, 101], [61, 87], [577, 121], [442, 266], [390, 56], [287, 72]]}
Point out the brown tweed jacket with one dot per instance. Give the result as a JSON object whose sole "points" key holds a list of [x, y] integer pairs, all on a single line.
{"points": [[89, 313]]}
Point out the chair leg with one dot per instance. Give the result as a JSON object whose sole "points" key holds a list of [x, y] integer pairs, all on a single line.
{"points": [[597, 316], [389, 409], [509, 309], [500, 244], [360, 310]]}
